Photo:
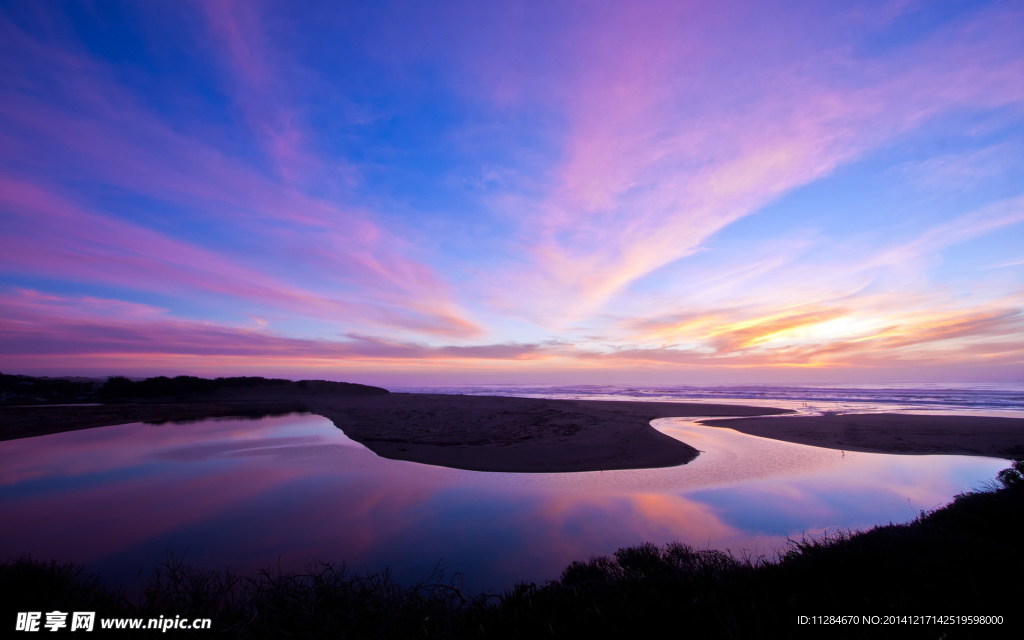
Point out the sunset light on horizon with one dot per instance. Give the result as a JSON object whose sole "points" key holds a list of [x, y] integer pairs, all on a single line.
{"points": [[519, 192]]}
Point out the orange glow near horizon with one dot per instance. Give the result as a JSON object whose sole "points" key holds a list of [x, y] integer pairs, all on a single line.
{"points": [[634, 191]]}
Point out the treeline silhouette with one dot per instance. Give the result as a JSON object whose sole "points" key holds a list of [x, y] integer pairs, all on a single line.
{"points": [[161, 386], [15, 389], [18, 389]]}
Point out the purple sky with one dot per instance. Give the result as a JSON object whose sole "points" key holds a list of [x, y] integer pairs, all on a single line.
{"points": [[470, 192]]}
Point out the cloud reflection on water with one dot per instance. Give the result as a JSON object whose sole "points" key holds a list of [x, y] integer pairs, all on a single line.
{"points": [[284, 491]]}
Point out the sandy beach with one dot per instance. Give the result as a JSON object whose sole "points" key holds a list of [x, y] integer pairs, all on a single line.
{"points": [[893, 433], [466, 432], [489, 433]]}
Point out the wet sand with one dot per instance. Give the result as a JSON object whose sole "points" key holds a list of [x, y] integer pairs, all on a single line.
{"points": [[466, 432], [892, 433], [488, 433]]}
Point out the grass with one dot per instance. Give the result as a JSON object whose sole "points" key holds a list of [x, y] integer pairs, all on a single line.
{"points": [[966, 558]]}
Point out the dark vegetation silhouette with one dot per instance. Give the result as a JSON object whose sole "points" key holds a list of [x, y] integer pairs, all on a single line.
{"points": [[18, 389], [15, 389], [963, 559], [121, 388]]}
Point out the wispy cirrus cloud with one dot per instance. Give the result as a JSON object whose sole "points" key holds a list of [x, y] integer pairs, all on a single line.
{"points": [[254, 67], [101, 134], [622, 187], [36, 325], [679, 134], [51, 235]]}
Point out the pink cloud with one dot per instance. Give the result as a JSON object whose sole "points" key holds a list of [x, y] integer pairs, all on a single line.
{"points": [[51, 235], [237, 29], [84, 330], [34, 324], [661, 124], [107, 137], [682, 120]]}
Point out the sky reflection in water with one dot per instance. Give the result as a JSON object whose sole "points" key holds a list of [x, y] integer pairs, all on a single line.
{"points": [[283, 491]]}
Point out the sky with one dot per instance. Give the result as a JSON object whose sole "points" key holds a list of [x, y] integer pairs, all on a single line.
{"points": [[551, 192]]}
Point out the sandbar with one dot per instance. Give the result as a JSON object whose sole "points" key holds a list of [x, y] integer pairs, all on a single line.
{"points": [[892, 433], [479, 433], [492, 433]]}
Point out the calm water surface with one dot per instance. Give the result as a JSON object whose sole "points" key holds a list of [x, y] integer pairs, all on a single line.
{"points": [[287, 490]]}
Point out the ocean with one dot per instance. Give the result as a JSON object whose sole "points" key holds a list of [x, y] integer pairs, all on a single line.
{"points": [[993, 399]]}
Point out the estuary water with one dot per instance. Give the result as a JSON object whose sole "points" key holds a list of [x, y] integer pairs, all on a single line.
{"points": [[282, 492]]}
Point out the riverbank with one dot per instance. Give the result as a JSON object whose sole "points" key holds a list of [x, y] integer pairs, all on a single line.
{"points": [[41, 420], [477, 433], [493, 433], [892, 433]]}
